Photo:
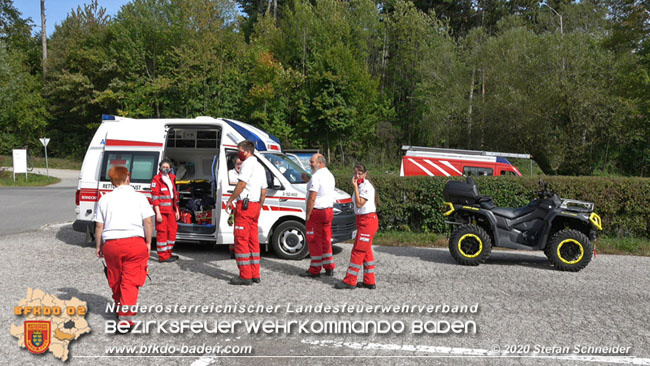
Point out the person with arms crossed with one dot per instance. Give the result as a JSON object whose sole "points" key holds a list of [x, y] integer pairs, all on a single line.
{"points": [[124, 225], [364, 199], [320, 201], [250, 194]]}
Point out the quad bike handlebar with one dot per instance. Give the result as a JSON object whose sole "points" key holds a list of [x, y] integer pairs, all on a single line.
{"points": [[544, 190]]}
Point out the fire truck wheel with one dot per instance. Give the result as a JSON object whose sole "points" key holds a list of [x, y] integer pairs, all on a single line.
{"points": [[289, 240], [470, 245]]}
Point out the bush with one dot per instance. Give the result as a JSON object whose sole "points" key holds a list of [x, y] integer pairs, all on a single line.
{"points": [[416, 203]]}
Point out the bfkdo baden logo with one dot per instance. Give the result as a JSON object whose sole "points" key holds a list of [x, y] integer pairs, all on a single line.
{"points": [[49, 324], [37, 335]]}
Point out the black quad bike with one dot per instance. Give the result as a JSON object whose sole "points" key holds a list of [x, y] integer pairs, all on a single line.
{"points": [[564, 229]]}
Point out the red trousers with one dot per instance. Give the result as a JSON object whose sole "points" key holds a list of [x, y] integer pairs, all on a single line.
{"points": [[166, 235], [362, 251], [247, 242], [319, 240], [126, 260]]}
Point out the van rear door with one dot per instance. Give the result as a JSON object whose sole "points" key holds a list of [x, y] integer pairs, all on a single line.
{"points": [[137, 145]]}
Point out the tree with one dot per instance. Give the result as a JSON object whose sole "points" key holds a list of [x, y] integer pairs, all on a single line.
{"points": [[80, 70], [22, 110], [550, 95], [424, 76]]}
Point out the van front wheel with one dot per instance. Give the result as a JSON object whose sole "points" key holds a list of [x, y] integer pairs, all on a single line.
{"points": [[289, 240]]}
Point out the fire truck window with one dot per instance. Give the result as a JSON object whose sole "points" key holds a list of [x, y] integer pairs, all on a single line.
{"points": [[475, 171], [507, 172]]}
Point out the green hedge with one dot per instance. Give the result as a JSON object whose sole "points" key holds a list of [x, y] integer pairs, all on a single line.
{"points": [[415, 203]]}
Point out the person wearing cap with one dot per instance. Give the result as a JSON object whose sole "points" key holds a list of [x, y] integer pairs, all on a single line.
{"points": [[319, 214], [123, 231], [365, 208], [250, 194], [164, 198]]}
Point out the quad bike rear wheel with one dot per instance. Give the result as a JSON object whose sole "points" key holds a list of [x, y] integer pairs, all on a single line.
{"points": [[569, 250], [470, 245]]}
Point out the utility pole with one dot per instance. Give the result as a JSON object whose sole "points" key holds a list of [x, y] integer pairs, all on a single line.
{"points": [[43, 37]]}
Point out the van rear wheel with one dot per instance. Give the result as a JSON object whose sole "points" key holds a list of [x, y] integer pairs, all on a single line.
{"points": [[289, 240]]}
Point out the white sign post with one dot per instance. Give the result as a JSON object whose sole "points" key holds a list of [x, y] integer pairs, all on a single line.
{"points": [[46, 141], [20, 162]]}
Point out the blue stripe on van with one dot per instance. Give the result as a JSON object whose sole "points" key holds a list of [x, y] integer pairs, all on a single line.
{"points": [[503, 160], [248, 135]]}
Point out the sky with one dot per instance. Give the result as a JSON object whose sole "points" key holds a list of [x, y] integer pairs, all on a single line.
{"points": [[57, 10]]}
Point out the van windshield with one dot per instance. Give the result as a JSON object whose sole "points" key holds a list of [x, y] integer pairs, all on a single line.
{"points": [[288, 168]]}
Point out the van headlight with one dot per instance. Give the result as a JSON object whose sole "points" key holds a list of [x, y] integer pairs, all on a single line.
{"points": [[343, 208]]}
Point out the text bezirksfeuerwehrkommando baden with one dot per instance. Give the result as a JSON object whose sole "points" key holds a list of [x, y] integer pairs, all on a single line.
{"points": [[291, 308]]}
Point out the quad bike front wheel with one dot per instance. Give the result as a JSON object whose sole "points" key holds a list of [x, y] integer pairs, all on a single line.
{"points": [[470, 245], [569, 250]]}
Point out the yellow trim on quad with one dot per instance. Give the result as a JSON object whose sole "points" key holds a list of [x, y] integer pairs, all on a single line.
{"points": [[582, 251], [480, 246], [451, 208], [595, 219]]}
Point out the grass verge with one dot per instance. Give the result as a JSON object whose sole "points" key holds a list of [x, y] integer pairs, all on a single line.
{"points": [[39, 162], [33, 180], [410, 239], [627, 246], [604, 245]]}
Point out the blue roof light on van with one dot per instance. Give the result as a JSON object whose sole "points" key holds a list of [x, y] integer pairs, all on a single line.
{"points": [[248, 135], [503, 160], [108, 117]]}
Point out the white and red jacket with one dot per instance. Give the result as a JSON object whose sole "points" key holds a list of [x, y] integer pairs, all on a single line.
{"points": [[161, 196]]}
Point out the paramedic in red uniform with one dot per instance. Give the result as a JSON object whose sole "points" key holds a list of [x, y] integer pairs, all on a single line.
{"points": [[364, 199], [250, 194], [164, 198], [320, 200], [124, 224]]}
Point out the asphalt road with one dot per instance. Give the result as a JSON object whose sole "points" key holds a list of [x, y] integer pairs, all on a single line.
{"points": [[29, 208], [521, 301], [524, 306]]}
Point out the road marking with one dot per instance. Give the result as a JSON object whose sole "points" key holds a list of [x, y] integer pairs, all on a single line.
{"points": [[55, 226], [453, 352]]}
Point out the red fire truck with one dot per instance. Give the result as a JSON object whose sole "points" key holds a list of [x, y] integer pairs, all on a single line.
{"points": [[434, 161]]}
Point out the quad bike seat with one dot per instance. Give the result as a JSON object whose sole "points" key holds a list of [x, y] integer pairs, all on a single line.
{"points": [[466, 193], [461, 192], [512, 213]]}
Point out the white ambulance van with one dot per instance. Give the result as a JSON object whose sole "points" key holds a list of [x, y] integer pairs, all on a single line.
{"points": [[203, 151]]}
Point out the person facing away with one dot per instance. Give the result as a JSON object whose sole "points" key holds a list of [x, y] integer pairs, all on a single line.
{"points": [[123, 232]]}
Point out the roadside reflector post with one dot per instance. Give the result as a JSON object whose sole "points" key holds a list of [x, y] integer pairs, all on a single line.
{"points": [[46, 141]]}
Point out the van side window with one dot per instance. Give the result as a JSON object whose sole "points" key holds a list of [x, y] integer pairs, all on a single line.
{"points": [[474, 170], [141, 165], [507, 172]]}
